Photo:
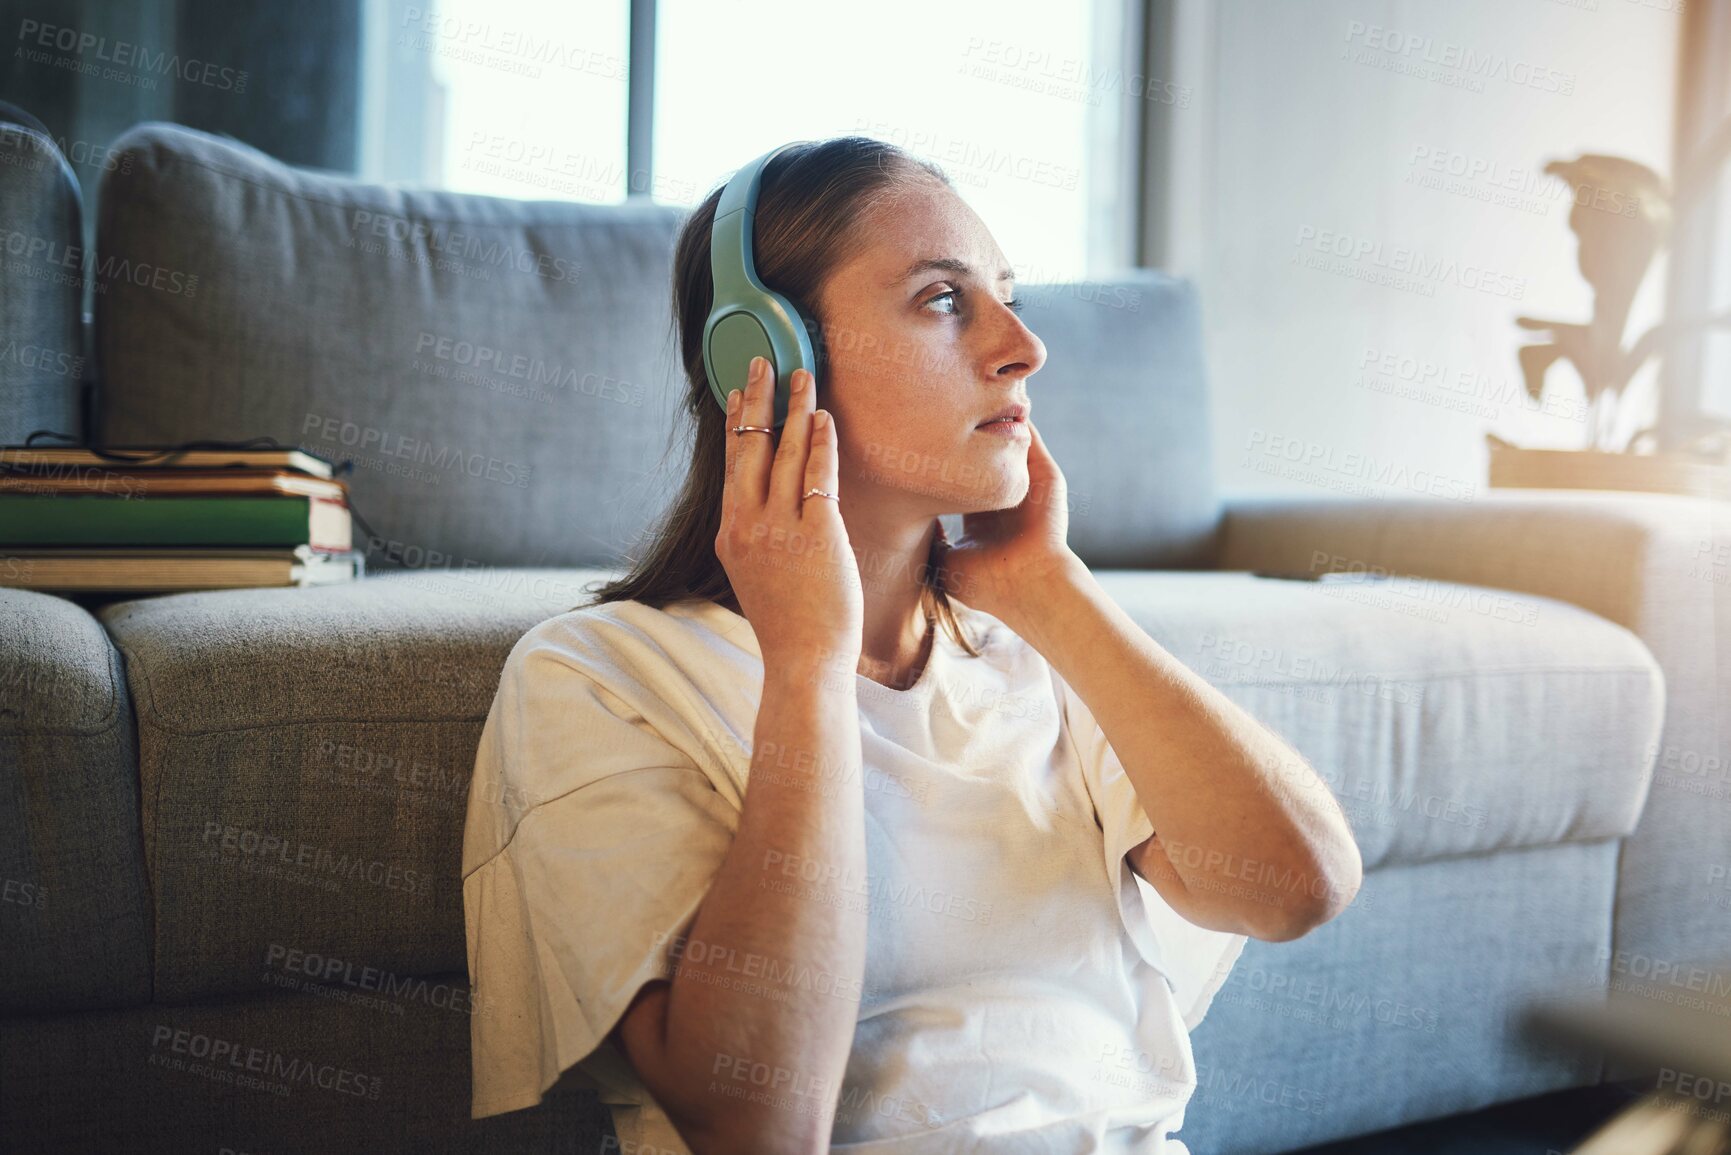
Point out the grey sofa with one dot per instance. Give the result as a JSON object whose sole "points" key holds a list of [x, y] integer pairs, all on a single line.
{"points": [[230, 822]]}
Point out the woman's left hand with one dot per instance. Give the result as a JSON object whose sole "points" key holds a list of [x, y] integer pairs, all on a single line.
{"points": [[1006, 556]]}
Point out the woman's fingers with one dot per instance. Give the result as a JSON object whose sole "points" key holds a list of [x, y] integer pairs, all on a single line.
{"points": [[730, 450], [751, 454], [787, 481], [823, 464], [793, 572]]}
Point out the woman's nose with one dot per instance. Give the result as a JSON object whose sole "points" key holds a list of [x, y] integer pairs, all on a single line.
{"points": [[1026, 351]]}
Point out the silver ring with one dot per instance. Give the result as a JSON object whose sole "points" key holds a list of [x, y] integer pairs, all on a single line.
{"points": [[814, 491], [738, 429]]}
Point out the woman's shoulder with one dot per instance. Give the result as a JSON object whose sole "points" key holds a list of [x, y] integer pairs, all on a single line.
{"points": [[627, 635], [627, 616], [624, 635], [1005, 662]]}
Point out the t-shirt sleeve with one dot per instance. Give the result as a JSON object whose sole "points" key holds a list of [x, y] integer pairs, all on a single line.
{"points": [[591, 840], [1195, 960]]}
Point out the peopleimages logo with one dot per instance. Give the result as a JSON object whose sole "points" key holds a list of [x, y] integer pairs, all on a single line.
{"points": [[368, 231], [224, 1059], [258, 846], [14, 140], [45, 361], [535, 370], [331, 970], [832, 882], [79, 262], [1263, 446], [1462, 62], [1403, 262], [94, 51], [475, 40], [366, 438], [1517, 186]]}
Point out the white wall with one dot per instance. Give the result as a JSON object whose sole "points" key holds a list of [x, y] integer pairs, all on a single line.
{"points": [[1301, 130]]}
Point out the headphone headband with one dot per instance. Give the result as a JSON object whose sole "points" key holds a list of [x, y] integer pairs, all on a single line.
{"points": [[747, 318], [731, 256]]}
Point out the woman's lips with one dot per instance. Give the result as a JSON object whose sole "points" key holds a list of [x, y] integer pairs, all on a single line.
{"points": [[1014, 430]]}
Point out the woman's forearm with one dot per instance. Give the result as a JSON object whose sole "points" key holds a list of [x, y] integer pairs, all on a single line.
{"points": [[1242, 822], [760, 1016]]}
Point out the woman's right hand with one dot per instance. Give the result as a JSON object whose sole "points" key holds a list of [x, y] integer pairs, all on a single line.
{"points": [[792, 569]]}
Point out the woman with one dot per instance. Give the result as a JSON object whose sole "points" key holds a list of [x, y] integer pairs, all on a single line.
{"points": [[815, 832]]}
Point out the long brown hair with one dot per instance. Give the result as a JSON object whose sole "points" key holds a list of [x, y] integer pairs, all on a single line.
{"points": [[811, 205]]}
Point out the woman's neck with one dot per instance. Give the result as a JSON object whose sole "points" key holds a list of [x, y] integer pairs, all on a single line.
{"points": [[900, 673], [898, 633], [898, 667]]}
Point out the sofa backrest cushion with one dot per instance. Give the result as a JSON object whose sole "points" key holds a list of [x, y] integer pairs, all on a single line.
{"points": [[41, 288], [504, 374], [497, 370]]}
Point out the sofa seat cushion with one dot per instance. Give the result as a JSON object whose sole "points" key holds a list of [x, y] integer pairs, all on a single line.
{"points": [[1446, 719], [304, 757], [305, 754], [74, 913]]}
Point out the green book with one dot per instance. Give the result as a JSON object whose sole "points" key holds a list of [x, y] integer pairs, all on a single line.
{"points": [[104, 519]]}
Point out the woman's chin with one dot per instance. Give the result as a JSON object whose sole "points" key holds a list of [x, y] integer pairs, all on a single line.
{"points": [[1009, 490]]}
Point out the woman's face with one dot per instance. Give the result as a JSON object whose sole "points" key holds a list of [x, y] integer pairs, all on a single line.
{"points": [[920, 354]]}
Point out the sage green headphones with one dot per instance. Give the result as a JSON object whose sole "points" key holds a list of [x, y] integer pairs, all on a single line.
{"points": [[749, 319]]}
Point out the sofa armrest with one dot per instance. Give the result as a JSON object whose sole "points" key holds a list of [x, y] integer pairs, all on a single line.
{"points": [[74, 902], [1656, 564], [1649, 562]]}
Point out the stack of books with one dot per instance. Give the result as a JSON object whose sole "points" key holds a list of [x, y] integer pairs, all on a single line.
{"points": [[74, 521]]}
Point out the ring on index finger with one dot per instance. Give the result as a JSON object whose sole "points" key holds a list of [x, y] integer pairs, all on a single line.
{"points": [[814, 491], [738, 429]]}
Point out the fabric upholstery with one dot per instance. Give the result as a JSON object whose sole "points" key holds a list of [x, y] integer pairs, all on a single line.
{"points": [[74, 910], [1409, 1005], [497, 370], [336, 1063], [1655, 564], [1377, 1018], [518, 354], [1482, 731], [41, 292], [305, 754]]}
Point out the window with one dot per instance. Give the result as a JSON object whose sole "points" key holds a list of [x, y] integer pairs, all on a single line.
{"points": [[1697, 366], [520, 98], [1005, 98], [1026, 105]]}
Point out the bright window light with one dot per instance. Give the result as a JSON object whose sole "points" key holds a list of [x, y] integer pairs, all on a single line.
{"points": [[1000, 94], [534, 102], [527, 98]]}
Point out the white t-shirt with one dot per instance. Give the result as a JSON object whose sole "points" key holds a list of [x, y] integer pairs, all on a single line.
{"points": [[1024, 991]]}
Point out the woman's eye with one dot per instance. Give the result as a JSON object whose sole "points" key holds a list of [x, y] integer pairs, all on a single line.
{"points": [[1014, 304]]}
